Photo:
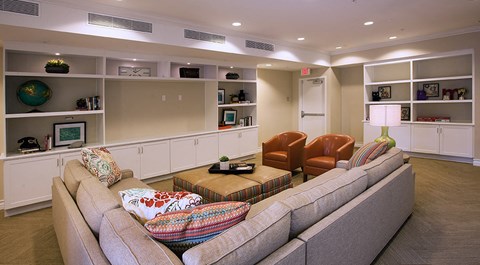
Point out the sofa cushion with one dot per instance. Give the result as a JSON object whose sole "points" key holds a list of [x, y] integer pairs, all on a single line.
{"points": [[184, 229], [146, 204], [101, 164], [310, 206], [262, 205], [367, 153], [383, 165], [124, 241], [93, 200], [73, 174], [246, 243]]}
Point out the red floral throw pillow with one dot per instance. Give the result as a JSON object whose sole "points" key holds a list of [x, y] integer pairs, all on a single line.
{"points": [[146, 204]]}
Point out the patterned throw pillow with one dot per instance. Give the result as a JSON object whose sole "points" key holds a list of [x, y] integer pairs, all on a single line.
{"points": [[367, 153], [145, 204], [100, 163], [184, 229]]}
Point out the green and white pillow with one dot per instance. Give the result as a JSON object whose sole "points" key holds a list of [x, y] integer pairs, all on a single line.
{"points": [[100, 163]]}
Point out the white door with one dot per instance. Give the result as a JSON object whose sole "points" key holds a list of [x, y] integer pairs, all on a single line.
{"points": [[425, 138], [206, 149], [456, 140], [127, 157], [155, 159], [312, 107]]}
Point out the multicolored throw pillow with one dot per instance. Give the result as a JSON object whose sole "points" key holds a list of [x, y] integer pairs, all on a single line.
{"points": [[146, 204], [100, 163], [184, 229], [367, 153]]}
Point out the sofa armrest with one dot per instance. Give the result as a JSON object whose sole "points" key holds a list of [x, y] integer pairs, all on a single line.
{"points": [[127, 173], [342, 164]]}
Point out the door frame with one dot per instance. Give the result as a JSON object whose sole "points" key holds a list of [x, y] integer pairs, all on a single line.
{"points": [[300, 100]]}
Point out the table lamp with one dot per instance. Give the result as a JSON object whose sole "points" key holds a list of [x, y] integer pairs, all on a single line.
{"points": [[385, 116]]}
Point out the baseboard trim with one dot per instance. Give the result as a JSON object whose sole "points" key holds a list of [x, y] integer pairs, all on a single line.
{"points": [[443, 157], [2, 205], [476, 162]]}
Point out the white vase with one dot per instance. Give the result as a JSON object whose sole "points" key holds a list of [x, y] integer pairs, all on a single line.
{"points": [[225, 165]]}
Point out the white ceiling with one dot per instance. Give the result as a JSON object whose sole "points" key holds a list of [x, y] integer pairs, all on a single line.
{"points": [[325, 24]]}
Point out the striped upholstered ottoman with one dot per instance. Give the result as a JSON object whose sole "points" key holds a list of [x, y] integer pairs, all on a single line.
{"points": [[262, 183]]}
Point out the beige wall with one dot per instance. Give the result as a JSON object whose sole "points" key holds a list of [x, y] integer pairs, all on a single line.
{"points": [[275, 103], [352, 102], [453, 43]]}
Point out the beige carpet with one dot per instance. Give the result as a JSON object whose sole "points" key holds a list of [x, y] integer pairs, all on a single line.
{"points": [[444, 228]]}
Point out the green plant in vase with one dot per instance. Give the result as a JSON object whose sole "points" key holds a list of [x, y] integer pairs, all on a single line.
{"points": [[57, 66], [224, 163]]}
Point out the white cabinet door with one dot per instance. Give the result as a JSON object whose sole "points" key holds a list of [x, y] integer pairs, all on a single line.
{"points": [[401, 135], [456, 140], [64, 158], [182, 153], [206, 149], [425, 138], [29, 181], [127, 157], [229, 144], [249, 142], [155, 159]]}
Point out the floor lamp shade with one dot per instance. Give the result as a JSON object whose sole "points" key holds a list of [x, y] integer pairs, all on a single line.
{"points": [[385, 116]]}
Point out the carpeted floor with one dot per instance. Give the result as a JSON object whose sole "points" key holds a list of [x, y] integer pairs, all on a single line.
{"points": [[444, 228]]}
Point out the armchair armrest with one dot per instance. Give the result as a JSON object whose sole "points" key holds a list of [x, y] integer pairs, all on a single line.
{"points": [[345, 152]]}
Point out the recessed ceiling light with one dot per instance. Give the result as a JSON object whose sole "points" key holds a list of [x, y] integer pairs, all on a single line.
{"points": [[368, 23], [57, 53], [392, 37], [300, 38], [268, 64], [236, 24], [231, 67], [134, 59], [338, 47]]}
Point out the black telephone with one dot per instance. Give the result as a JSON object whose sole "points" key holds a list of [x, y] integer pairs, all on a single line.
{"points": [[29, 143]]}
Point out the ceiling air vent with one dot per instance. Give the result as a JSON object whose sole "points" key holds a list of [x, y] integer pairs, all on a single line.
{"points": [[20, 7], [203, 36], [119, 23], [259, 45]]}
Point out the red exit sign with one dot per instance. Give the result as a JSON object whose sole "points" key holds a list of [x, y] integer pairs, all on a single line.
{"points": [[305, 71]]}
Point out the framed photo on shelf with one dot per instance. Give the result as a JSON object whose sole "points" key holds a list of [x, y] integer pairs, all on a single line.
{"points": [[385, 91], [431, 89], [229, 117], [221, 96], [68, 133], [405, 113]]}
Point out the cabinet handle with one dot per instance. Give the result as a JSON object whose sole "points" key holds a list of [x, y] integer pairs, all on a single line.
{"points": [[58, 162]]}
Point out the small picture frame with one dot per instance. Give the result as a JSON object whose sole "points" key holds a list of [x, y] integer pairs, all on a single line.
{"points": [[405, 113], [221, 96], [229, 117], [68, 133], [385, 91], [431, 89]]}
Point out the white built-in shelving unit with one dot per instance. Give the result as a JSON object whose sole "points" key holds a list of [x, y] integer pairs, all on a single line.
{"points": [[174, 125], [452, 70]]}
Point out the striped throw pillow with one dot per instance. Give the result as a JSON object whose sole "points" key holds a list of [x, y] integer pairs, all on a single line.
{"points": [[367, 153], [181, 230]]}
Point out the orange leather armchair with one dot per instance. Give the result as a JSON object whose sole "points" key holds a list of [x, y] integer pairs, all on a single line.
{"points": [[284, 150], [323, 152]]}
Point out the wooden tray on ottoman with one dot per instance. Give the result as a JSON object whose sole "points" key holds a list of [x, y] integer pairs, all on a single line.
{"points": [[235, 168]]}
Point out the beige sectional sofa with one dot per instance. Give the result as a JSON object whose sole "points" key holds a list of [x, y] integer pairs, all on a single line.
{"points": [[340, 217]]}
